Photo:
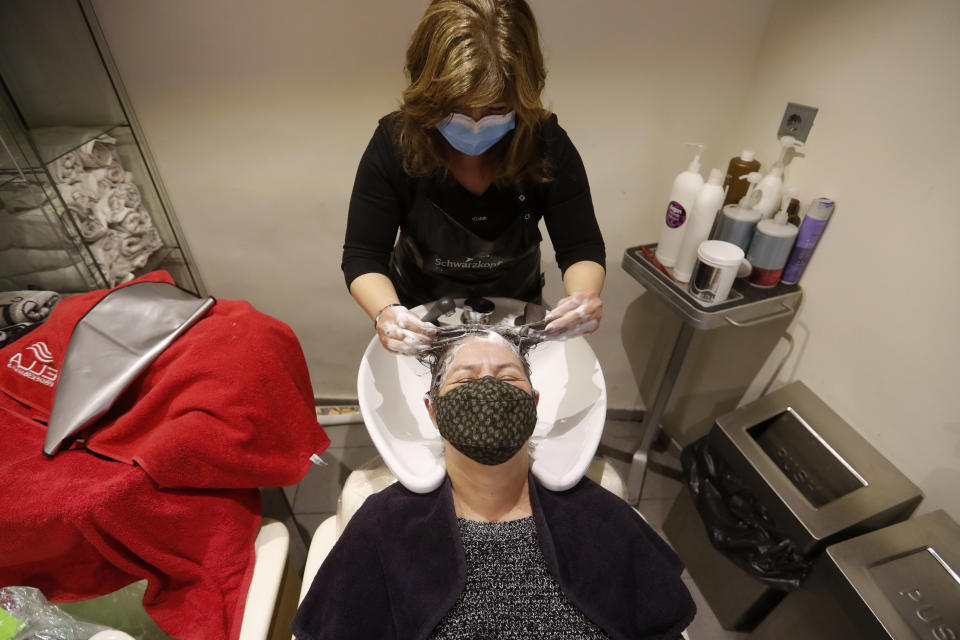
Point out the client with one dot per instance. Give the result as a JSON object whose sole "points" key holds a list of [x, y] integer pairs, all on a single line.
{"points": [[491, 553]]}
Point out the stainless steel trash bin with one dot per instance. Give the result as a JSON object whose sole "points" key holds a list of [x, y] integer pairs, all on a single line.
{"points": [[820, 480], [900, 582]]}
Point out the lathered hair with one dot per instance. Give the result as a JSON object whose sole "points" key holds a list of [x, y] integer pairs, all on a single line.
{"points": [[450, 338]]}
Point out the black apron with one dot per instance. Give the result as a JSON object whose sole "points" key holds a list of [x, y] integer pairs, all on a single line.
{"points": [[436, 256]]}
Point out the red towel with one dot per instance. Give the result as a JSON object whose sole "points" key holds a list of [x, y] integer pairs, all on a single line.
{"points": [[228, 407], [229, 404], [79, 526]]}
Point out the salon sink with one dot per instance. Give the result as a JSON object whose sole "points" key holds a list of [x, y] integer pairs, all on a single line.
{"points": [[570, 415]]}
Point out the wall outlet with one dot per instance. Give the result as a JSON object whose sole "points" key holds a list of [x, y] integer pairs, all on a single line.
{"points": [[797, 121]]}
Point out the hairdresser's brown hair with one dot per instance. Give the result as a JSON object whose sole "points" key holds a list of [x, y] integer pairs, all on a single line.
{"points": [[474, 53]]}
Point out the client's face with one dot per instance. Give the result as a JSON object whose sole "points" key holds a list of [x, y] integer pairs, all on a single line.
{"points": [[485, 409], [477, 358]]}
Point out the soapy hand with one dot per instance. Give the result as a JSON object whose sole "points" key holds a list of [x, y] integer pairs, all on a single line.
{"points": [[403, 332], [576, 315]]}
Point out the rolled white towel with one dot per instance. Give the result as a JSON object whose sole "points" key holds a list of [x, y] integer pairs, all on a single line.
{"points": [[119, 253], [27, 306], [124, 267], [89, 224], [116, 174], [99, 152], [68, 168], [112, 207], [78, 193], [130, 194], [96, 182], [106, 251], [136, 245], [136, 222]]}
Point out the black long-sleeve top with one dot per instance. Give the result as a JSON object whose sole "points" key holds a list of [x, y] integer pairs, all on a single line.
{"points": [[383, 195]]}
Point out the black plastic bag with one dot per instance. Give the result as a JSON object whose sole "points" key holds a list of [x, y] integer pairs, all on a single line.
{"points": [[738, 526]]}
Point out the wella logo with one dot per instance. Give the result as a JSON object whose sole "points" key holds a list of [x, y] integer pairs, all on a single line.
{"points": [[35, 364]]}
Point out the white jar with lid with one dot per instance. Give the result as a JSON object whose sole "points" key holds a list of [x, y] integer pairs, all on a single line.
{"points": [[716, 269]]}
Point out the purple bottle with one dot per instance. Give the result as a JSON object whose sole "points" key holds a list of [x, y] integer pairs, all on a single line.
{"points": [[818, 214]]}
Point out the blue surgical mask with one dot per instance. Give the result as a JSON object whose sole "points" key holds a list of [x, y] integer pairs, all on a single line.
{"points": [[473, 137]]}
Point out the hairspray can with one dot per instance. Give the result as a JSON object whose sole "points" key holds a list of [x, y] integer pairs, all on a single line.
{"points": [[810, 231], [769, 249]]}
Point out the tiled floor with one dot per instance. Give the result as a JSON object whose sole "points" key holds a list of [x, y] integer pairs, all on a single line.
{"points": [[315, 497]]}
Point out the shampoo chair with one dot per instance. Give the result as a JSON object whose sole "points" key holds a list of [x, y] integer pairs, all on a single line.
{"points": [[390, 391], [364, 482], [391, 388]]}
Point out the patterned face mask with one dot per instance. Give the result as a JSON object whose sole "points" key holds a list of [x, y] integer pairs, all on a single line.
{"points": [[487, 420]]}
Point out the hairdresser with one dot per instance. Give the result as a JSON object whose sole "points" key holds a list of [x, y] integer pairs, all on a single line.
{"points": [[465, 170]]}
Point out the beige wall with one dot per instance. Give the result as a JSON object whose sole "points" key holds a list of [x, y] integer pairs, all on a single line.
{"points": [[258, 112], [874, 336], [631, 82]]}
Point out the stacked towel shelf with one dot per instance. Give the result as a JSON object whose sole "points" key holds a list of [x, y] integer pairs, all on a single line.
{"points": [[82, 205]]}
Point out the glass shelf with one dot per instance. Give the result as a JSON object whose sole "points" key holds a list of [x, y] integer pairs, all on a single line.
{"points": [[55, 142], [59, 91], [50, 144], [15, 152], [171, 260], [14, 175], [161, 255]]}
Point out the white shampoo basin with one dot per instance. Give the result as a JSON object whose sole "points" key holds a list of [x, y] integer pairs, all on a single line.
{"points": [[570, 416]]}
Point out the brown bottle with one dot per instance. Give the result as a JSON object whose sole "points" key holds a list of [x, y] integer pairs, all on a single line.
{"points": [[793, 212], [739, 166]]}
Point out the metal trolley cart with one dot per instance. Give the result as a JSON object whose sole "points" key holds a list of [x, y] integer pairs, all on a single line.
{"points": [[746, 306]]}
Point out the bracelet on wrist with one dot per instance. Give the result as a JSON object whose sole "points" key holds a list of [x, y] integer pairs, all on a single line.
{"points": [[377, 319]]}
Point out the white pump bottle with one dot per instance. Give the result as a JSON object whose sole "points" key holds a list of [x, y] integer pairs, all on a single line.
{"points": [[686, 186], [704, 212], [771, 185], [769, 190]]}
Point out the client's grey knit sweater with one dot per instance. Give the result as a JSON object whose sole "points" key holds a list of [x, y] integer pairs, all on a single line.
{"points": [[509, 592]]}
